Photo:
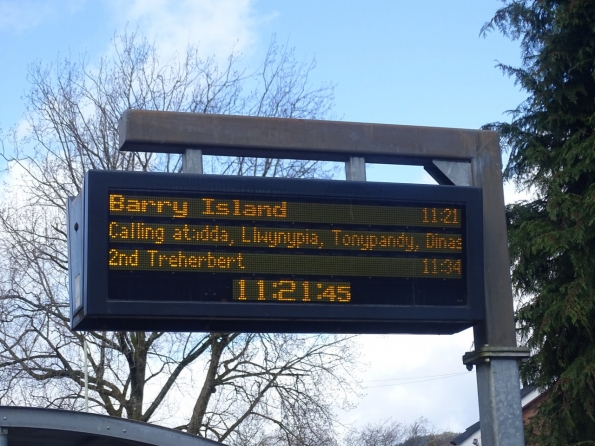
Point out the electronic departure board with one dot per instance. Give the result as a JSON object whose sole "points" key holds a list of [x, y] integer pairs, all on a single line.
{"points": [[198, 252]]}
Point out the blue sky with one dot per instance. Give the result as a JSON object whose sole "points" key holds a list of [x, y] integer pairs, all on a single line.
{"points": [[417, 63], [393, 61]]}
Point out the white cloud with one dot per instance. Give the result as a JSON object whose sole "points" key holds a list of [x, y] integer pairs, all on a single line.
{"points": [[512, 194], [20, 15], [413, 376], [218, 26]]}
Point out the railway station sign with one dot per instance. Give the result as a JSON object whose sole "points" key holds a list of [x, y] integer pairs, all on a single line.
{"points": [[182, 252]]}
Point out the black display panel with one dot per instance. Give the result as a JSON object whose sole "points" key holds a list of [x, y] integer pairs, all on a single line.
{"points": [[262, 254]]}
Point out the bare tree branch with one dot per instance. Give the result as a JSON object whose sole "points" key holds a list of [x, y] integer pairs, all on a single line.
{"points": [[237, 384]]}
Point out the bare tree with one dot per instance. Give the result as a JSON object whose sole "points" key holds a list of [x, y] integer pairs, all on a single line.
{"points": [[383, 433], [392, 433], [244, 389]]}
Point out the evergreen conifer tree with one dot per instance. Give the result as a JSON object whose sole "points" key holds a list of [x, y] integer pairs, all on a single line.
{"points": [[551, 144]]}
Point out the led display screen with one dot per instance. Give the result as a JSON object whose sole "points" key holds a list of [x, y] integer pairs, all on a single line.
{"points": [[234, 247], [282, 244]]}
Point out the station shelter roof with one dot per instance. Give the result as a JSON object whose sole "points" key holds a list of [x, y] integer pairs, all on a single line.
{"points": [[27, 426]]}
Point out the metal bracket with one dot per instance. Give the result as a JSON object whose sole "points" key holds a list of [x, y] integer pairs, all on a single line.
{"points": [[355, 169], [487, 353], [192, 161], [450, 172]]}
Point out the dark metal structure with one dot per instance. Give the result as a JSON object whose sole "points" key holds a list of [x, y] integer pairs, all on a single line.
{"points": [[452, 156], [26, 426]]}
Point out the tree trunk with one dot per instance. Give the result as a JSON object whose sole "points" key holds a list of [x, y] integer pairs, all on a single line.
{"points": [[218, 344]]}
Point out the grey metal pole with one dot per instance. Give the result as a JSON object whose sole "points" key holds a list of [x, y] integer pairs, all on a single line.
{"points": [[496, 354], [498, 384], [86, 360]]}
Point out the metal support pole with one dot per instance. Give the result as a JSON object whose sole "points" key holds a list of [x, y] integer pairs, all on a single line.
{"points": [[498, 385], [3, 436], [499, 403], [86, 360], [496, 354], [355, 169], [192, 161], [450, 172]]}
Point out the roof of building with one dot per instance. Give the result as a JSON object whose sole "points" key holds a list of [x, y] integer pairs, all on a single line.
{"points": [[26, 426], [527, 390], [468, 433]]}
